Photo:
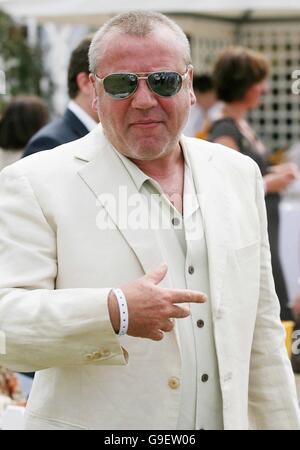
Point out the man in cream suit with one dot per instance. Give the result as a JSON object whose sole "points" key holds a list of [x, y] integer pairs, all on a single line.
{"points": [[192, 339]]}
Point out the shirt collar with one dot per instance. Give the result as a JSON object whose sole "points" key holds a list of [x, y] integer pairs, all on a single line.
{"points": [[190, 204], [137, 175], [83, 116]]}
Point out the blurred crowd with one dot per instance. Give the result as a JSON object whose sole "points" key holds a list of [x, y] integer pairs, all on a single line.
{"points": [[224, 98]]}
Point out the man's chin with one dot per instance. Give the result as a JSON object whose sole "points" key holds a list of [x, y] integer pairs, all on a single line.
{"points": [[148, 151], [146, 154]]}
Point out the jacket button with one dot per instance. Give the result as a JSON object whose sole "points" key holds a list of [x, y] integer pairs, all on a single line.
{"points": [[174, 383], [175, 221], [204, 378], [200, 323], [191, 270]]}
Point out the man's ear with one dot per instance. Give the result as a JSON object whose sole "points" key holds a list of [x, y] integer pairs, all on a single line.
{"points": [[93, 80], [95, 99], [192, 94], [95, 104]]}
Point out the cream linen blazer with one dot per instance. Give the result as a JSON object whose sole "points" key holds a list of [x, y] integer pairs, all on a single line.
{"points": [[58, 265]]}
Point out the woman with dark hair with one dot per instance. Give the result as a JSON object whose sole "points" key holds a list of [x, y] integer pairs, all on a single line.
{"points": [[240, 78], [20, 120]]}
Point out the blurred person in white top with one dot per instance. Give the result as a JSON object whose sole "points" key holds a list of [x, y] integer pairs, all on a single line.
{"points": [[206, 109]]}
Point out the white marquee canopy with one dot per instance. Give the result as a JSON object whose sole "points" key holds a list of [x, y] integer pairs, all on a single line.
{"points": [[91, 11]]}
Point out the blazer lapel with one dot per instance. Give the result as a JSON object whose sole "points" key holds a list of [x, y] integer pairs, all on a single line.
{"points": [[214, 203], [107, 178]]}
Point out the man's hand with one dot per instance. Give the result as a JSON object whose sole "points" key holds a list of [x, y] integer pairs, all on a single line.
{"points": [[151, 308], [280, 177]]}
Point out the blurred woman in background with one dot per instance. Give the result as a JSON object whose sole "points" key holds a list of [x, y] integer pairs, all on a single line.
{"points": [[240, 77], [20, 120]]}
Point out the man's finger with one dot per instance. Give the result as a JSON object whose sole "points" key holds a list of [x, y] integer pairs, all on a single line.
{"points": [[168, 325], [179, 312], [187, 296], [156, 335]]}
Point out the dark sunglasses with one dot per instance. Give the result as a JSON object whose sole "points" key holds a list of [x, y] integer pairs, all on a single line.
{"points": [[122, 85]]}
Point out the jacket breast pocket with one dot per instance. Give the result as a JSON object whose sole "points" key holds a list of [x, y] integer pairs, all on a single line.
{"points": [[242, 279], [248, 252], [248, 273]]}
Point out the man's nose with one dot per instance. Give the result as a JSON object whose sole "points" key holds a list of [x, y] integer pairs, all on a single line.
{"points": [[143, 98]]}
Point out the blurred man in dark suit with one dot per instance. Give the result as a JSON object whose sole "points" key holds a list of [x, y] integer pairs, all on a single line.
{"points": [[79, 117]]}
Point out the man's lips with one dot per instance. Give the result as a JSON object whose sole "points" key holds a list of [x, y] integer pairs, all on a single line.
{"points": [[146, 123]]}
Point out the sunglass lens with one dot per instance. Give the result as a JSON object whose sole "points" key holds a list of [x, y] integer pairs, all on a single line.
{"points": [[165, 84], [120, 85]]}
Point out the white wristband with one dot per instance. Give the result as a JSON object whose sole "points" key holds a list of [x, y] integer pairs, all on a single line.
{"points": [[123, 311]]}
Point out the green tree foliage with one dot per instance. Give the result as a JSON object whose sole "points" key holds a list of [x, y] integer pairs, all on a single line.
{"points": [[21, 63]]}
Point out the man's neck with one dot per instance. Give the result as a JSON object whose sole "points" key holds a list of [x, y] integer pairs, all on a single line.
{"points": [[162, 168], [169, 173]]}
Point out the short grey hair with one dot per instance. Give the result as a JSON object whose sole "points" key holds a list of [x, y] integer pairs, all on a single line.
{"points": [[136, 23]]}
